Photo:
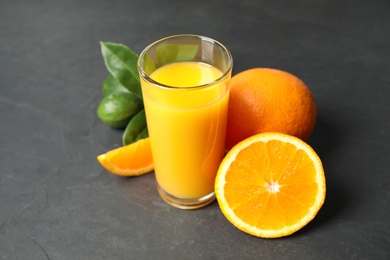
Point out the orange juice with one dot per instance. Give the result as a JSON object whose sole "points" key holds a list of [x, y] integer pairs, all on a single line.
{"points": [[186, 112]]}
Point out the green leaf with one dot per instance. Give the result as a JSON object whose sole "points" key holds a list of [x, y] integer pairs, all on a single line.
{"points": [[169, 52], [121, 62], [136, 128], [111, 85], [118, 108], [149, 64]]}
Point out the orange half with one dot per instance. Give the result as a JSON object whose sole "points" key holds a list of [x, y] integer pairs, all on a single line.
{"points": [[270, 185], [131, 160]]}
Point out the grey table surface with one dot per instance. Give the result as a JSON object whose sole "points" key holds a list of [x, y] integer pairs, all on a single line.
{"points": [[57, 202]]}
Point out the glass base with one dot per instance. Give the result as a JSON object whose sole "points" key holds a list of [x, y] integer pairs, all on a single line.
{"points": [[184, 203]]}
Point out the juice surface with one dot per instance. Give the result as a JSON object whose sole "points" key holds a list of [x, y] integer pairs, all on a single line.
{"points": [[186, 74], [187, 128]]}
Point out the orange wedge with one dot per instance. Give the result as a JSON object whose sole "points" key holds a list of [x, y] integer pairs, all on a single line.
{"points": [[270, 185], [131, 160]]}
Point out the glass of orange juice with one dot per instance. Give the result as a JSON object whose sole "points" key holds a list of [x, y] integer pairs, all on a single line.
{"points": [[185, 92]]}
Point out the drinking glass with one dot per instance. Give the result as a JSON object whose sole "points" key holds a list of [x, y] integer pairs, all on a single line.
{"points": [[185, 92]]}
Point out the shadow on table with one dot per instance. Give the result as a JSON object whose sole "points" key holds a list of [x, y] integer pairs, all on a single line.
{"points": [[326, 140]]}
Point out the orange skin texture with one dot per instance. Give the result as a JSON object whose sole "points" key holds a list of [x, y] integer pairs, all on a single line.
{"points": [[269, 100]]}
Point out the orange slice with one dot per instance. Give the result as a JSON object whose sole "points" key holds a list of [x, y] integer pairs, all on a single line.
{"points": [[130, 160], [270, 185]]}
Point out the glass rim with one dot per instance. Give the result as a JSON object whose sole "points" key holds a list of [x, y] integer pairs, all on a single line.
{"points": [[225, 73]]}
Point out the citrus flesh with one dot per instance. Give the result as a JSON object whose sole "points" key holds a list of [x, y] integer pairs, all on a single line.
{"points": [[270, 185], [130, 160]]}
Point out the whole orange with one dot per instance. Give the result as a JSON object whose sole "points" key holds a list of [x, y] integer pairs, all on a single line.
{"points": [[269, 100]]}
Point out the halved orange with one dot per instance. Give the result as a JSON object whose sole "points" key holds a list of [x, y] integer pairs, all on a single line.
{"points": [[270, 185], [130, 160]]}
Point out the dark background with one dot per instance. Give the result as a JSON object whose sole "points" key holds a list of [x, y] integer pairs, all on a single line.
{"points": [[57, 202]]}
